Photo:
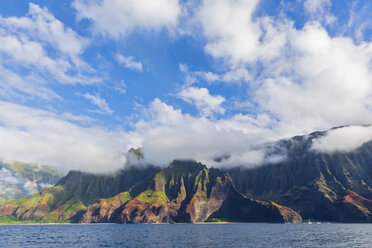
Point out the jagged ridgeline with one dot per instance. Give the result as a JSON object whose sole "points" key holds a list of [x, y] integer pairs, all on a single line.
{"points": [[186, 191], [19, 179]]}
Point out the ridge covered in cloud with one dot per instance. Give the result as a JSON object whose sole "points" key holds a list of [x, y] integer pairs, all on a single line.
{"points": [[345, 139]]}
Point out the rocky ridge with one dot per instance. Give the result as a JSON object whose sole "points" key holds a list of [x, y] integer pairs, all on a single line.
{"points": [[186, 191]]}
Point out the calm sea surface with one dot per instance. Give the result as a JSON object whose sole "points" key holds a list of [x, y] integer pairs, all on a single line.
{"points": [[187, 235]]}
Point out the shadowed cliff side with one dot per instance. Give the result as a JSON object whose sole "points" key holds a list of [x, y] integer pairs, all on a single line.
{"points": [[327, 187], [187, 191]]}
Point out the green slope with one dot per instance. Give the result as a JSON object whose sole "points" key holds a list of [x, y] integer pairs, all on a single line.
{"points": [[19, 179]]}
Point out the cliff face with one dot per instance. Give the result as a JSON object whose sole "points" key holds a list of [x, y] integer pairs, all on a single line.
{"points": [[185, 191], [328, 187]]}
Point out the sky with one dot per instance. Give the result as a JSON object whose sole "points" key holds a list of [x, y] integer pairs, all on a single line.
{"points": [[83, 81]]}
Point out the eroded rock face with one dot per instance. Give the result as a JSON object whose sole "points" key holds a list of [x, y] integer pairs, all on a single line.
{"points": [[186, 191], [201, 206], [140, 212], [36, 212], [105, 210], [288, 215], [198, 195], [7, 209]]}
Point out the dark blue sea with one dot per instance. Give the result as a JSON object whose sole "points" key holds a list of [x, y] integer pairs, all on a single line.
{"points": [[187, 235]]}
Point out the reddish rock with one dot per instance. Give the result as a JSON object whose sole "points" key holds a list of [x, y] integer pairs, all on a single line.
{"points": [[360, 202], [7, 209], [103, 210]]}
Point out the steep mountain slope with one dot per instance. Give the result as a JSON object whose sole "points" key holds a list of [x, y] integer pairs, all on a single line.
{"points": [[19, 179], [330, 187], [68, 200], [185, 191]]}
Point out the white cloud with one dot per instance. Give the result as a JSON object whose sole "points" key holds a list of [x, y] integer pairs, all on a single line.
{"points": [[15, 86], [303, 79], [120, 87], [236, 75], [100, 102], [360, 21], [41, 24], [345, 139], [117, 18], [203, 101], [28, 41], [320, 10], [37, 136], [165, 134], [314, 6], [321, 82], [129, 62], [234, 35]]}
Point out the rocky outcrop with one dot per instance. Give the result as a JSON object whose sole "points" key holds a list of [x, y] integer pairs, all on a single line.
{"points": [[141, 212], [7, 209], [105, 210]]}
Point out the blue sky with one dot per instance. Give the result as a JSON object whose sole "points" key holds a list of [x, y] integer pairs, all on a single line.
{"points": [[82, 81]]}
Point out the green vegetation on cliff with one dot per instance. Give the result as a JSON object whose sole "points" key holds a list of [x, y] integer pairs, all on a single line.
{"points": [[186, 191], [66, 211], [151, 196], [124, 197]]}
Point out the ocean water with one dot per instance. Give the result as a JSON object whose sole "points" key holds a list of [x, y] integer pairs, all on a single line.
{"points": [[187, 235]]}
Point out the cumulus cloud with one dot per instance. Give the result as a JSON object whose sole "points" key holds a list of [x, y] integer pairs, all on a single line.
{"points": [[345, 139], [321, 82], [203, 101], [36, 51], [118, 18], [129, 62], [166, 133], [100, 102], [37, 136], [28, 41], [303, 79], [234, 35]]}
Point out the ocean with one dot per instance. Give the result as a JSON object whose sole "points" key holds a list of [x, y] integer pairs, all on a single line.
{"points": [[187, 235]]}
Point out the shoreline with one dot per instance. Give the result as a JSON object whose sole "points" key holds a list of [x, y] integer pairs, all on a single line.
{"points": [[185, 223]]}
